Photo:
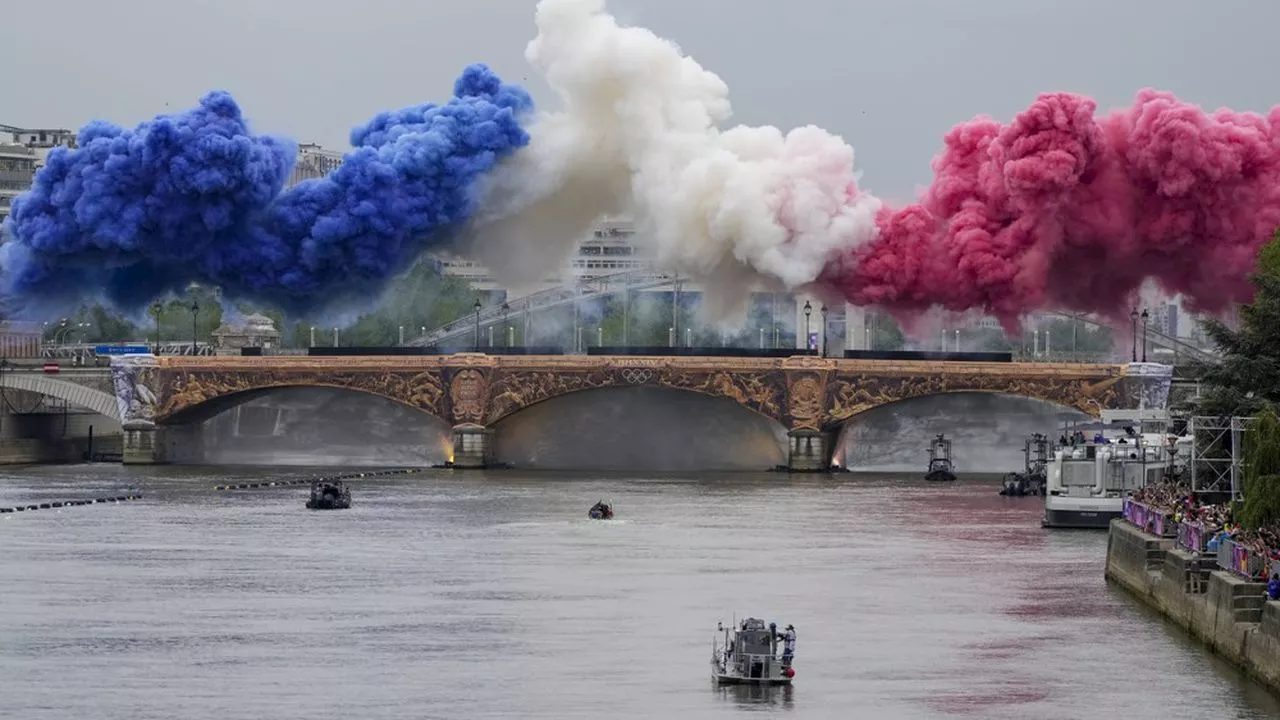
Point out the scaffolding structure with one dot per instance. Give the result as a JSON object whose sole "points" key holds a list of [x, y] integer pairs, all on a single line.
{"points": [[1217, 453]]}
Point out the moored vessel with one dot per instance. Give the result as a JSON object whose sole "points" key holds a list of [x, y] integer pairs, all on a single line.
{"points": [[1100, 462]]}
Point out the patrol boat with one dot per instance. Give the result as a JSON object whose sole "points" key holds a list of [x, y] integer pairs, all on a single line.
{"points": [[940, 467], [748, 655], [329, 495]]}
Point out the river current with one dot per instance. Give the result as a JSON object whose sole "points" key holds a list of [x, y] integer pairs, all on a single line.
{"points": [[471, 596]]}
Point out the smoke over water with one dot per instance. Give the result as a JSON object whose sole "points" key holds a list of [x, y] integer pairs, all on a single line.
{"points": [[134, 214], [1062, 209]]}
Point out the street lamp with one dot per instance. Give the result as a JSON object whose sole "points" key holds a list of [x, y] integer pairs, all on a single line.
{"points": [[195, 315], [156, 309], [808, 310], [1133, 321], [477, 309], [1145, 316], [313, 336], [506, 327], [824, 330]]}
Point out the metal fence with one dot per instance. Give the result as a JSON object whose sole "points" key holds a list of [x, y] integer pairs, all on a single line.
{"points": [[1150, 519], [1193, 536], [1242, 561]]}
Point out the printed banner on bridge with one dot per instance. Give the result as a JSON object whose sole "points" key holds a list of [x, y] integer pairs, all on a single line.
{"points": [[121, 350]]}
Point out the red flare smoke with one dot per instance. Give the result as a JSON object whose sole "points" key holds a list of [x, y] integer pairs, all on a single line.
{"points": [[1065, 211]]}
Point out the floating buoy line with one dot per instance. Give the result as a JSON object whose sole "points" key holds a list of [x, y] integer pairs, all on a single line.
{"points": [[69, 503], [308, 481]]}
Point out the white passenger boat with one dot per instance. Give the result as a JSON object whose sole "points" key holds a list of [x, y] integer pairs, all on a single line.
{"points": [[1088, 477], [748, 654]]}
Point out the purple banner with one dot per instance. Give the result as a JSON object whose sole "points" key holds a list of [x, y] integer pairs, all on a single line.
{"points": [[1149, 519], [1193, 536]]}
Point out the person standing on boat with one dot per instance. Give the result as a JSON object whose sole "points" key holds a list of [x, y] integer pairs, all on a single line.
{"points": [[788, 645]]}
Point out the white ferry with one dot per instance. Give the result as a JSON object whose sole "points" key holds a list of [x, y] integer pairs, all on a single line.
{"points": [[1088, 477], [748, 654]]}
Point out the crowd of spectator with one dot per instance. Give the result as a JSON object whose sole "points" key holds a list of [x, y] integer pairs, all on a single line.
{"points": [[1175, 498]]}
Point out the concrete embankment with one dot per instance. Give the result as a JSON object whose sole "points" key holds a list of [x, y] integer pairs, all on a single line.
{"points": [[1228, 613]]}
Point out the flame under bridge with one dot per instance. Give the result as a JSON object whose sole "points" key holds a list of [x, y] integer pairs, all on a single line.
{"points": [[810, 397]]}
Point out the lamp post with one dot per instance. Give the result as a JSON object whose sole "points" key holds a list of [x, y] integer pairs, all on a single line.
{"points": [[506, 327], [313, 336], [477, 309], [401, 329], [824, 330], [1145, 316], [1133, 321], [195, 315], [335, 337], [156, 310], [808, 310]]}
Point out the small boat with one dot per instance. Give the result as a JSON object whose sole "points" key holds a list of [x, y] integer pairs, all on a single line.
{"points": [[601, 511], [940, 467], [1031, 480], [329, 495], [748, 654]]}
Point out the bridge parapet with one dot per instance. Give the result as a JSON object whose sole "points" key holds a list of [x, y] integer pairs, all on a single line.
{"points": [[802, 393]]}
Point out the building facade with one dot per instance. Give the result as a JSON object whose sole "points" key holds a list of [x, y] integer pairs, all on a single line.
{"points": [[22, 152], [608, 250], [313, 162]]}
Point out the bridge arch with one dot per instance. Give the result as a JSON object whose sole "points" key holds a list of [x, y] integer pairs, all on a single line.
{"points": [[639, 427], [757, 392], [206, 409], [74, 393]]}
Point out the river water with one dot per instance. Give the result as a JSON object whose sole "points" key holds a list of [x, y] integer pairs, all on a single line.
{"points": [[492, 596]]}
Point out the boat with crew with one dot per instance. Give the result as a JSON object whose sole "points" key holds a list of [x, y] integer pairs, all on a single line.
{"points": [[601, 511], [940, 467], [747, 654], [1035, 450], [1098, 463], [329, 495]]}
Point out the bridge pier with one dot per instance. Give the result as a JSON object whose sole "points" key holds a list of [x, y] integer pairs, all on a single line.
{"points": [[142, 444], [472, 446], [808, 451]]}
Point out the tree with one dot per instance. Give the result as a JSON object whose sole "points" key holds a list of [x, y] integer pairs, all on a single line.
{"points": [[1261, 506], [1248, 377]]}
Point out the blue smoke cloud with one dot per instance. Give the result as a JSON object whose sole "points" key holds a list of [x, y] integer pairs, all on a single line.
{"points": [[131, 215]]}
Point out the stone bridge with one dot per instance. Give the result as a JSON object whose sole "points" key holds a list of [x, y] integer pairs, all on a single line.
{"points": [[88, 388], [808, 396]]}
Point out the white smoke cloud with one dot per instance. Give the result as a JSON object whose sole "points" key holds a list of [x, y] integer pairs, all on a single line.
{"points": [[739, 209]]}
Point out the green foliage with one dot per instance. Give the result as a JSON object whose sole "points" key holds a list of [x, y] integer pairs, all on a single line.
{"points": [[1248, 377], [1261, 505]]}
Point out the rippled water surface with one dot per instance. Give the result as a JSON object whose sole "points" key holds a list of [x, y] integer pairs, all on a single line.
{"points": [[492, 596]]}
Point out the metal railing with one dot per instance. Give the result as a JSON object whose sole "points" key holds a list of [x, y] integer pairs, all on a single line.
{"points": [[638, 280], [1241, 561], [1150, 519], [88, 350], [1193, 536]]}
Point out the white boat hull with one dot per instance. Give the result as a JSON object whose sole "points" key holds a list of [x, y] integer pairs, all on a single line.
{"points": [[1084, 513]]}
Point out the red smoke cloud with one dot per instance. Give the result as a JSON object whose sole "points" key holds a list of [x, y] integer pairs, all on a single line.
{"points": [[1063, 210]]}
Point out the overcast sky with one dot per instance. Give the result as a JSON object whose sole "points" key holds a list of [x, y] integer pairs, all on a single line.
{"points": [[891, 76]]}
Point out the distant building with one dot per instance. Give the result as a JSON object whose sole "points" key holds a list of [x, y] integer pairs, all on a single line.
{"points": [[607, 250], [253, 331], [1164, 318], [22, 152], [19, 339], [313, 162], [17, 170]]}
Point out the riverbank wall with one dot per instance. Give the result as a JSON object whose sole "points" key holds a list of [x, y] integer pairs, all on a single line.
{"points": [[1229, 614]]}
